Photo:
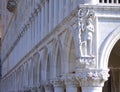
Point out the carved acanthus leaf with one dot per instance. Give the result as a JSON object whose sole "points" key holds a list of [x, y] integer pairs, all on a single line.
{"points": [[92, 77]]}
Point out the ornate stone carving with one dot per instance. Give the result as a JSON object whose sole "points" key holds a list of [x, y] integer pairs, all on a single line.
{"points": [[11, 5], [84, 32], [33, 89], [86, 27], [92, 77], [57, 82], [48, 86], [40, 88], [70, 80]]}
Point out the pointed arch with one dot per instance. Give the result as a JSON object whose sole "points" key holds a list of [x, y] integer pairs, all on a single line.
{"points": [[72, 57], [48, 68], [44, 61], [35, 68], [58, 64], [67, 48], [57, 50], [30, 71]]}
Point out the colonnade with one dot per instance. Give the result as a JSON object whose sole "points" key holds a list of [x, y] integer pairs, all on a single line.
{"points": [[52, 69]]}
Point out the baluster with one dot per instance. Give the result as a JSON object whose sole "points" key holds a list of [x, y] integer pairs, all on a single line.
{"points": [[117, 1]]}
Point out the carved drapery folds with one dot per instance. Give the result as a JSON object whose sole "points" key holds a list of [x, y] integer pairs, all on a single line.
{"points": [[92, 78], [12, 5], [84, 31]]}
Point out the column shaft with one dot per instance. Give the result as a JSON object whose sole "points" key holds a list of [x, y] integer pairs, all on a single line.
{"points": [[91, 89], [48, 88], [71, 88], [58, 89]]}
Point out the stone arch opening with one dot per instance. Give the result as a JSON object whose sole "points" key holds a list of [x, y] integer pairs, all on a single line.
{"points": [[58, 64], [72, 57], [39, 69], [113, 83], [48, 68], [35, 66]]}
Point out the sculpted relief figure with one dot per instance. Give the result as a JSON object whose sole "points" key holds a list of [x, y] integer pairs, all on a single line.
{"points": [[86, 38], [87, 30]]}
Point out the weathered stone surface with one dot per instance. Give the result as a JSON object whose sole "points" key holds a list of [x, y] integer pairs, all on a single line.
{"points": [[58, 45]]}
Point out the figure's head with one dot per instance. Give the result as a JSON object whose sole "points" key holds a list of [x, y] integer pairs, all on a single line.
{"points": [[89, 21]]}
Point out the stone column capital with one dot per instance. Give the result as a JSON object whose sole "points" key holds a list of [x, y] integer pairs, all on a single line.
{"points": [[92, 78], [33, 89], [40, 88], [48, 85], [57, 82], [70, 80]]}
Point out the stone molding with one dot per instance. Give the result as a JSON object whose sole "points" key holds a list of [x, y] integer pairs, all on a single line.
{"points": [[85, 62], [92, 78]]}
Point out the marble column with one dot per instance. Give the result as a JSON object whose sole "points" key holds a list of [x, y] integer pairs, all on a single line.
{"points": [[92, 80], [58, 85], [71, 83]]}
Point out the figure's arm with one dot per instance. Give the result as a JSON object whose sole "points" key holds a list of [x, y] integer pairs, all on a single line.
{"points": [[82, 27]]}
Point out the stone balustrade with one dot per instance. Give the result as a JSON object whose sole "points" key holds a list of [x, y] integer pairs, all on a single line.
{"points": [[109, 1]]}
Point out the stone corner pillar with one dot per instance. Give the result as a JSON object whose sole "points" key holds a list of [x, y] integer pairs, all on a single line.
{"points": [[92, 80]]}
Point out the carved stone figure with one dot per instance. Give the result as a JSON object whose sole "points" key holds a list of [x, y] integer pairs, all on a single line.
{"points": [[87, 37], [85, 41], [86, 29]]}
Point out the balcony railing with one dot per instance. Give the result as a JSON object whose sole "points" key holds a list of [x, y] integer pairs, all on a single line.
{"points": [[109, 1]]}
